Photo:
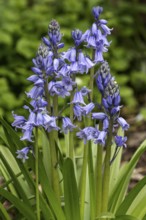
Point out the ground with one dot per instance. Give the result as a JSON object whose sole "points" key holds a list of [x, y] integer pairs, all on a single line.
{"points": [[136, 135]]}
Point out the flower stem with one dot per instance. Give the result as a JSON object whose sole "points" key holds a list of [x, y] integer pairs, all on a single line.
{"points": [[106, 174], [55, 105], [71, 134], [47, 96], [37, 176], [52, 137], [99, 180], [91, 182], [83, 181], [54, 162]]}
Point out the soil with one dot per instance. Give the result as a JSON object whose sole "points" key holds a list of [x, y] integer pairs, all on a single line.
{"points": [[136, 135]]}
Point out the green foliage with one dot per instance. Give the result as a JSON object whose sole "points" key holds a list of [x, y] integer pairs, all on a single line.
{"points": [[19, 184], [72, 208], [24, 22]]}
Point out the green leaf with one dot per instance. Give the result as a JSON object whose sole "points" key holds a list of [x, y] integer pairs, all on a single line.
{"points": [[121, 185], [70, 191], [140, 209], [15, 143], [12, 137], [5, 38], [126, 217], [129, 199], [46, 187], [19, 188], [4, 213], [21, 206], [115, 166], [106, 215], [26, 47]]}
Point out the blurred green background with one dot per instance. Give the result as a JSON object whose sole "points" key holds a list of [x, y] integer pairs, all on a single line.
{"points": [[24, 22]]}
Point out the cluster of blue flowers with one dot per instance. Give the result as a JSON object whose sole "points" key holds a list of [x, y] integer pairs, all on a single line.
{"points": [[111, 108], [54, 75]]}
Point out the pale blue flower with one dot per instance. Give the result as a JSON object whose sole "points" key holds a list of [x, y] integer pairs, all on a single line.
{"points": [[88, 108], [78, 98], [99, 115], [120, 141], [101, 138], [122, 122], [22, 154], [27, 132], [77, 36], [78, 111], [86, 134], [19, 121], [85, 91], [67, 125]]}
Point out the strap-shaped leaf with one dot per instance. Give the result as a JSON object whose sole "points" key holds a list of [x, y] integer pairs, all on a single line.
{"points": [[18, 186], [71, 196], [4, 214], [126, 217], [121, 185], [46, 187], [12, 137], [129, 199], [21, 206]]}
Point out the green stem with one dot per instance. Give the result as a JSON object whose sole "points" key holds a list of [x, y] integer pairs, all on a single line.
{"points": [[71, 134], [99, 180], [37, 175], [53, 151], [52, 136], [54, 162], [55, 105], [91, 182], [83, 181], [106, 174], [47, 96]]}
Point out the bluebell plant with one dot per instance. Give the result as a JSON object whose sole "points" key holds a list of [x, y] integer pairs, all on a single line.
{"points": [[54, 78]]}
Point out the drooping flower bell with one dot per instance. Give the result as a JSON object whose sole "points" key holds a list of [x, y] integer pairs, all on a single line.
{"points": [[22, 154]]}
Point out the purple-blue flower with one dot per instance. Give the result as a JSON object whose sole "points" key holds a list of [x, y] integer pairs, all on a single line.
{"points": [[86, 134], [51, 125], [70, 55], [27, 132], [19, 121], [120, 141], [68, 83], [77, 37], [85, 91], [99, 115], [96, 11], [101, 138], [38, 103], [122, 122], [88, 108], [22, 154], [54, 34], [35, 92], [78, 98], [58, 88], [97, 40], [78, 111], [67, 125]]}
